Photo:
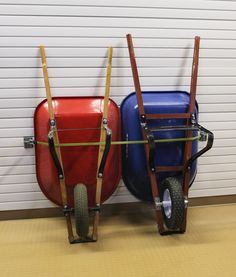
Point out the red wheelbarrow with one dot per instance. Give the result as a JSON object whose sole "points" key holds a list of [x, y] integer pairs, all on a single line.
{"points": [[76, 167]]}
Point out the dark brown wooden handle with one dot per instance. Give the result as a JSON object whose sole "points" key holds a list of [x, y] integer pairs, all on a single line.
{"points": [[193, 86], [135, 74]]}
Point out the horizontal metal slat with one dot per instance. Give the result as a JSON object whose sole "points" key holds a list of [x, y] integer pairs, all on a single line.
{"points": [[119, 12]]}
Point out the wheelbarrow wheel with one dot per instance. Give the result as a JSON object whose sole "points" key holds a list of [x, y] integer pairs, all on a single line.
{"points": [[81, 211], [173, 207]]}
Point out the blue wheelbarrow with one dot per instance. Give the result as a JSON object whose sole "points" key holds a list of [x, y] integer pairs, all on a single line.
{"points": [[162, 169]]}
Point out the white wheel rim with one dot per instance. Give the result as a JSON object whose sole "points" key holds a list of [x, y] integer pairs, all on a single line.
{"points": [[166, 203]]}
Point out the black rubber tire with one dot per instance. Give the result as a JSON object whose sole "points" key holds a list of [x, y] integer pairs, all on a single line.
{"points": [[81, 211], [174, 220]]}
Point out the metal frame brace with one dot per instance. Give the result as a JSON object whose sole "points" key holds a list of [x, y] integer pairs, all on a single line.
{"points": [[107, 147], [29, 142]]}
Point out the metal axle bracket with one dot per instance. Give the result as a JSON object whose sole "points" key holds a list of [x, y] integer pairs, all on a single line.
{"points": [[186, 202], [158, 203], [67, 210], [95, 209]]}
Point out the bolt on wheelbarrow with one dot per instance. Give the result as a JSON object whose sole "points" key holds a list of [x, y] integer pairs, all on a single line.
{"points": [[163, 172], [75, 166]]}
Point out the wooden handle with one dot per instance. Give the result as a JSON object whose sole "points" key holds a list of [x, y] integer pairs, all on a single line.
{"points": [[103, 131], [135, 74], [193, 86], [108, 83], [46, 82], [52, 117]]}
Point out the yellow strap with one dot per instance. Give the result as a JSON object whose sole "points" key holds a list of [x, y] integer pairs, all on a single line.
{"points": [[97, 143]]}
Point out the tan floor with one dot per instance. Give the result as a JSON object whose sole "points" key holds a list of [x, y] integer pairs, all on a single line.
{"points": [[129, 245]]}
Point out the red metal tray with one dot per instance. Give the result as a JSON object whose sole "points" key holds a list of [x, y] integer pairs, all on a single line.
{"points": [[78, 119]]}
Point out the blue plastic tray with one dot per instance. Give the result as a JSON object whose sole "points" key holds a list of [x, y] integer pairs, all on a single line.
{"points": [[135, 174]]}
